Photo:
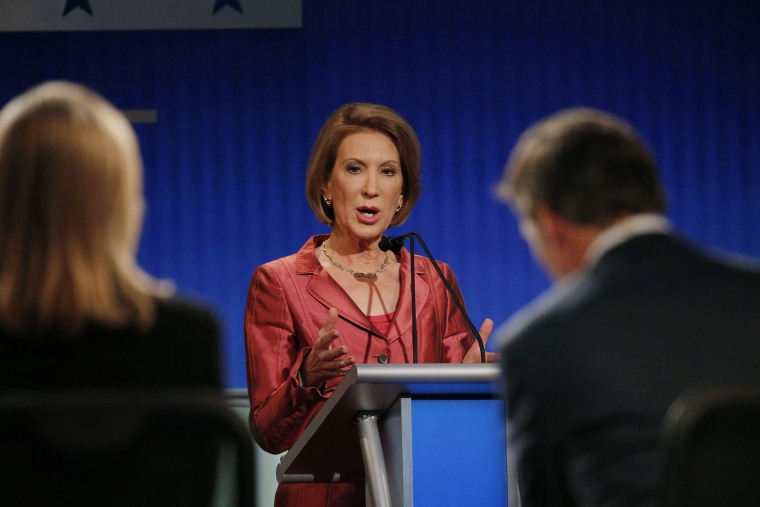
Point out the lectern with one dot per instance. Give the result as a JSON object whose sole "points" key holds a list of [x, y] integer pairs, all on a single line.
{"points": [[421, 434]]}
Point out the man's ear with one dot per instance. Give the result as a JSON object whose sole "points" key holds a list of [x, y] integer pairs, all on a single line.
{"points": [[552, 224]]}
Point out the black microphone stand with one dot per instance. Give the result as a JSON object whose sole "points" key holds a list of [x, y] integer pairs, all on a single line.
{"points": [[414, 302], [475, 331], [395, 244]]}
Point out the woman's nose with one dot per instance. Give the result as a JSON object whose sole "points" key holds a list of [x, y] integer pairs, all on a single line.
{"points": [[369, 189]]}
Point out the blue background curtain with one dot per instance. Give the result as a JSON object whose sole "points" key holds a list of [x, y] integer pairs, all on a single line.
{"points": [[238, 111]]}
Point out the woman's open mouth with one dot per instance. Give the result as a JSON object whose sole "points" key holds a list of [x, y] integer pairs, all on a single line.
{"points": [[367, 215]]}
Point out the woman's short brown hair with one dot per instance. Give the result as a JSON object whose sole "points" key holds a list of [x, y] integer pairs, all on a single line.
{"points": [[359, 117]]}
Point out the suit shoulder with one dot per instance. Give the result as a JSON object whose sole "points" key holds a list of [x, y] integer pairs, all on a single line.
{"points": [[182, 311], [287, 261], [423, 264], [541, 318], [277, 271]]}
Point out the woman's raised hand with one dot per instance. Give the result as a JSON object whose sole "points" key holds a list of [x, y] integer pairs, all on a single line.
{"points": [[473, 355], [326, 362]]}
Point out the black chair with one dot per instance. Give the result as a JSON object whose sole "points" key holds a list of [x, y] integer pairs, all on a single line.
{"points": [[712, 449], [116, 448]]}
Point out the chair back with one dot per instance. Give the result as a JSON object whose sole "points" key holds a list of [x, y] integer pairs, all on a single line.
{"points": [[712, 449], [113, 447]]}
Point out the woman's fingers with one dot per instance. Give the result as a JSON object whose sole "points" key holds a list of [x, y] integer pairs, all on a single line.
{"points": [[325, 362], [485, 330]]}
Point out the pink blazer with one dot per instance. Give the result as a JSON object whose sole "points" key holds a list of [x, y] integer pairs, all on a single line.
{"points": [[288, 300], [287, 304]]}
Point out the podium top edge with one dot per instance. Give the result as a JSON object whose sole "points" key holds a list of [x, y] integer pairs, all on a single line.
{"points": [[424, 373]]}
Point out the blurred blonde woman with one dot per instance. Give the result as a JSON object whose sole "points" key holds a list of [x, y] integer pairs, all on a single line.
{"points": [[75, 308]]}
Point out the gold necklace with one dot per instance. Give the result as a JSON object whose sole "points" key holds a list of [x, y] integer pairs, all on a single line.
{"points": [[349, 270]]}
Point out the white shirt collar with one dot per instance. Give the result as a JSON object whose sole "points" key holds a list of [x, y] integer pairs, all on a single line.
{"points": [[623, 230]]}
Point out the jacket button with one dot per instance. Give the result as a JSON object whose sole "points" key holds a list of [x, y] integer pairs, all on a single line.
{"points": [[382, 358]]}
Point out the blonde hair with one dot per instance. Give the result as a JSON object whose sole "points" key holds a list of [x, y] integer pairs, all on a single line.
{"points": [[361, 117], [71, 211]]}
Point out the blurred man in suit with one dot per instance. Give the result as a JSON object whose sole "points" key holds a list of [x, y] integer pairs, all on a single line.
{"points": [[636, 315]]}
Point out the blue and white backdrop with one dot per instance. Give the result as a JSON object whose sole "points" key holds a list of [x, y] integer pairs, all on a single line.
{"points": [[228, 95]]}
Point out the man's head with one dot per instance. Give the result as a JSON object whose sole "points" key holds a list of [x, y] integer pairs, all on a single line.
{"points": [[572, 175]]}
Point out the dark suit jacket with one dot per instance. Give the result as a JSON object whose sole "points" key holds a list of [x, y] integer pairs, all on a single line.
{"points": [[179, 352], [591, 367], [181, 349]]}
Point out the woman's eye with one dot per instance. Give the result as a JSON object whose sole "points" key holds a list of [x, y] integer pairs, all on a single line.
{"points": [[353, 168], [389, 171]]}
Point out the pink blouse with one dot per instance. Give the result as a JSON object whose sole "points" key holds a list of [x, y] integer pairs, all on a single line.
{"points": [[382, 322]]}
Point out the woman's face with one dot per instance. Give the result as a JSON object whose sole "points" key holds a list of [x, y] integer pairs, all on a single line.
{"points": [[365, 185]]}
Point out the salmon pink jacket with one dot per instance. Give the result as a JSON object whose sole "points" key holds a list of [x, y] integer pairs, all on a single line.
{"points": [[287, 304]]}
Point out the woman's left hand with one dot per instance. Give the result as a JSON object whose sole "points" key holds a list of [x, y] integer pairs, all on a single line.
{"points": [[473, 355]]}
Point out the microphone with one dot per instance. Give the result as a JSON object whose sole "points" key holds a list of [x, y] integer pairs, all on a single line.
{"points": [[393, 244], [396, 244]]}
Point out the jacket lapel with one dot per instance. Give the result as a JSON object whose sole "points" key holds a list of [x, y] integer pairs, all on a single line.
{"points": [[324, 289]]}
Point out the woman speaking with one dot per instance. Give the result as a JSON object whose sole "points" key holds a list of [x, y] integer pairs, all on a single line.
{"points": [[342, 300]]}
